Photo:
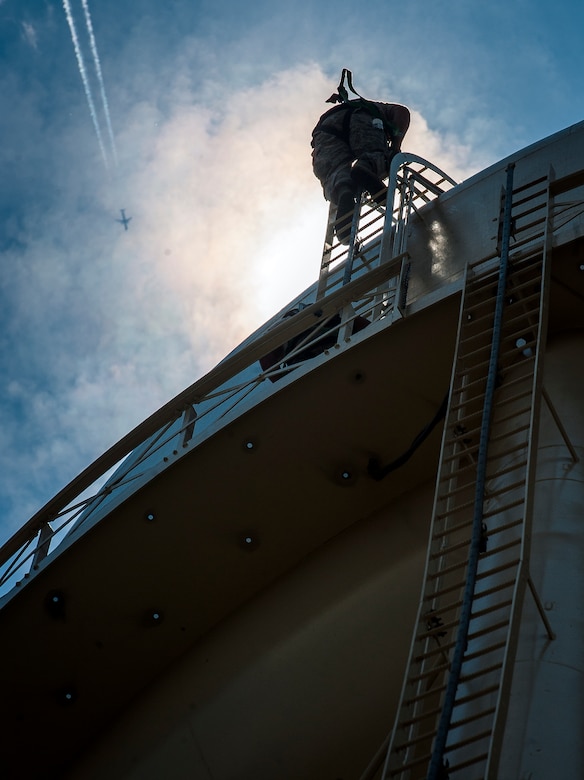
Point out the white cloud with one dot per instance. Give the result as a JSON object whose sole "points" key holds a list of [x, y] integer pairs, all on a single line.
{"points": [[30, 34], [228, 223]]}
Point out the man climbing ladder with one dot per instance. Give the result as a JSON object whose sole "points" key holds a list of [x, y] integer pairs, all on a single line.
{"points": [[352, 147]]}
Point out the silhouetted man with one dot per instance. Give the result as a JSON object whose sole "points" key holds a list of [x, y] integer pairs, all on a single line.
{"points": [[352, 147]]}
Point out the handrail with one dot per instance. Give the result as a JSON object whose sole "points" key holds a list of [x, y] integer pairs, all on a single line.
{"points": [[380, 259], [282, 332]]}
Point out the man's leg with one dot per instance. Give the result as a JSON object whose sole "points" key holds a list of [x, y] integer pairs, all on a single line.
{"points": [[369, 143]]}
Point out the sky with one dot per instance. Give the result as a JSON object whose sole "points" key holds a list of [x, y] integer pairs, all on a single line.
{"points": [[204, 139]]}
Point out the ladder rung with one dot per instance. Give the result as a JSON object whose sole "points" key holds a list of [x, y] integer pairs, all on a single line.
{"points": [[460, 472], [493, 608], [427, 735], [514, 289], [505, 527], [522, 242], [532, 229], [507, 434], [470, 308], [456, 724], [473, 353], [438, 534], [449, 549], [448, 570], [468, 450], [529, 221], [434, 671], [451, 529], [468, 740], [488, 630], [481, 673], [510, 416], [526, 256], [520, 464], [469, 390], [498, 569], [410, 765], [481, 281], [474, 696], [523, 321], [469, 398], [519, 379], [405, 724], [504, 508], [461, 422], [471, 656], [485, 651], [454, 510], [459, 488], [505, 453], [424, 695], [505, 488], [495, 589], [511, 349], [525, 187], [526, 265], [446, 627], [513, 398], [497, 550], [469, 762], [429, 596]]}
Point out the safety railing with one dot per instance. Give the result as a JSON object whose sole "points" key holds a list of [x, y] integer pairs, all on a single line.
{"points": [[412, 183], [317, 325]]}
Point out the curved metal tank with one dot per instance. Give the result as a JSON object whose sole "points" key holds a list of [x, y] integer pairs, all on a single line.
{"points": [[238, 600], [546, 720]]}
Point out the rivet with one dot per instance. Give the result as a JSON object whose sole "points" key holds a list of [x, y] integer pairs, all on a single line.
{"points": [[345, 474], [154, 617], [67, 695], [150, 517], [249, 541], [55, 604]]}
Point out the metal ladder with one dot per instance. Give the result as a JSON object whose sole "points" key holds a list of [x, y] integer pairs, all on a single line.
{"points": [[453, 704], [378, 231]]}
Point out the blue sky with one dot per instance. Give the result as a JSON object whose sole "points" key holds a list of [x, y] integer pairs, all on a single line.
{"points": [[211, 106]]}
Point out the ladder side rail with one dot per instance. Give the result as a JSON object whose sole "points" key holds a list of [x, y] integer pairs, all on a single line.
{"points": [[326, 252], [523, 578]]}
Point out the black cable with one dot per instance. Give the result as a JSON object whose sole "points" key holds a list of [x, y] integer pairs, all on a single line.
{"points": [[378, 472]]}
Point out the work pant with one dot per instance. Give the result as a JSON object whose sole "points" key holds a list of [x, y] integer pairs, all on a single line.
{"points": [[332, 157]]}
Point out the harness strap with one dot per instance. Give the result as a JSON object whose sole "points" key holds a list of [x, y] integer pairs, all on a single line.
{"points": [[342, 96]]}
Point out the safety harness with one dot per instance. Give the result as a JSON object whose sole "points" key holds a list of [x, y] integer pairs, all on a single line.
{"points": [[349, 106]]}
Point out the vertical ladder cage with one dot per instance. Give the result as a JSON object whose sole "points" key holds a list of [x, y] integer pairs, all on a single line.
{"points": [[378, 233], [455, 693]]}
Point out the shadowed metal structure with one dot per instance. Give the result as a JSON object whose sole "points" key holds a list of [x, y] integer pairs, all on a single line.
{"points": [[354, 548]]}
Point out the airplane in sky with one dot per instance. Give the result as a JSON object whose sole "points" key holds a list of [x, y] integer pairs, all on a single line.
{"points": [[124, 220]]}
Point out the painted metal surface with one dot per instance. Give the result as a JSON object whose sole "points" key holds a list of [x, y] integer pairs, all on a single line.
{"points": [[546, 716], [162, 641]]}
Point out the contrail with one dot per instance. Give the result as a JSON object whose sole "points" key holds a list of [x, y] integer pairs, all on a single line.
{"points": [[97, 64], [84, 79]]}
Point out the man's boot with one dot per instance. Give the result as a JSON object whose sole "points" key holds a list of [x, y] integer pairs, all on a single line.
{"points": [[344, 216], [364, 177]]}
